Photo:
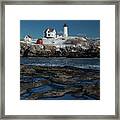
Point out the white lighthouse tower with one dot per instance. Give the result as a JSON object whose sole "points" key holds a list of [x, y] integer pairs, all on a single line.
{"points": [[65, 30]]}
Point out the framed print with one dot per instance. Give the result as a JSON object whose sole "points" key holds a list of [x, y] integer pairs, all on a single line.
{"points": [[60, 59]]}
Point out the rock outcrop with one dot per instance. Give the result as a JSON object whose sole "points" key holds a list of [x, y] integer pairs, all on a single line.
{"points": [[76, 48], [54, 82]]}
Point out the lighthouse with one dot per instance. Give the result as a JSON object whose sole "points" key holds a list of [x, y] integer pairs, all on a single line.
{"points": [[65, 30]]}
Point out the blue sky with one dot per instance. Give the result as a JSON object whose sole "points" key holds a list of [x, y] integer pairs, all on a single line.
{"points": [[35, 28]]}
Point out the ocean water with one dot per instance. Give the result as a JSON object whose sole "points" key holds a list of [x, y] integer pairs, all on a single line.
{"points": [[87, 63]]}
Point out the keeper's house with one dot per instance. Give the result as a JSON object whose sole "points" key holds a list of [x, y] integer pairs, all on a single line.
{"points": [[50, 33]]}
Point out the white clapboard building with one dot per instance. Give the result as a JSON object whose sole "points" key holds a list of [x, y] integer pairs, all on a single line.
{"points": [[52, 38]]}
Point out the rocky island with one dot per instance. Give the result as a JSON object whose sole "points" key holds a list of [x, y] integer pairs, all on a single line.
{"points": [[72, 48]]}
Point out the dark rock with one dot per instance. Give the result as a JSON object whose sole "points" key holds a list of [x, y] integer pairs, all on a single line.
{"points": [[62, 80], [91, 50]]}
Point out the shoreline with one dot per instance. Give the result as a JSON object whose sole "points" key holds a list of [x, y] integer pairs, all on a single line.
{"points": [[59, 57]]}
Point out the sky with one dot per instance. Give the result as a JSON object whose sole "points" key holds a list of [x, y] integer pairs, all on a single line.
{"points": [[35, 28]]}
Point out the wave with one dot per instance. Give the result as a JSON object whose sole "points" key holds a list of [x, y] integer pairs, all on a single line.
{"points": [[96, 67]]}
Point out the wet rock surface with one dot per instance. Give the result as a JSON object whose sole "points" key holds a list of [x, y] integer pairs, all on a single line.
{"points": [[58, 83]]}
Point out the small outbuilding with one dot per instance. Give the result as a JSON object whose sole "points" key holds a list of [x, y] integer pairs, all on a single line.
{"points": [[28, 38], [39, 41]]}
